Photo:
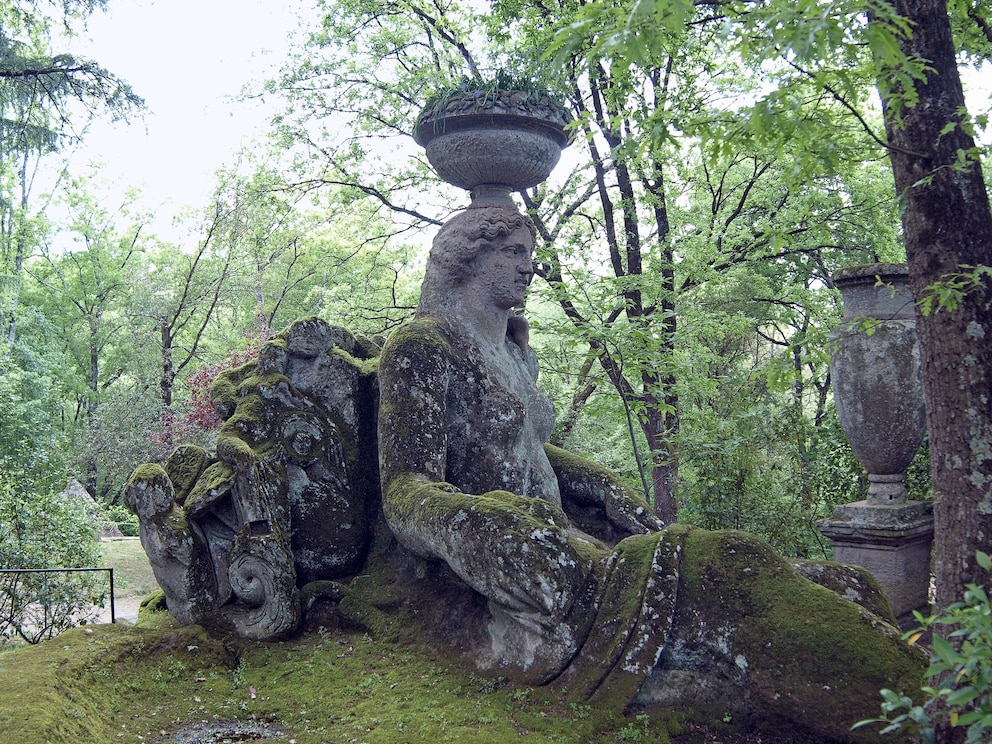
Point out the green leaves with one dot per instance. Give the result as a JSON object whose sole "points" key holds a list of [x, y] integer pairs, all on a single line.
{"points": [[960, 693], [42, 529], [947, 294]]}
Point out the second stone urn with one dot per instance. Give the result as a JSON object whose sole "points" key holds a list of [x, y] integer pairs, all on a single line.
{"points": [[875, 374], [877, 383]]}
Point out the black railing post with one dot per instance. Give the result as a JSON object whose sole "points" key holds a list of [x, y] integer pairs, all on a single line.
{"points": [[113, 616]]}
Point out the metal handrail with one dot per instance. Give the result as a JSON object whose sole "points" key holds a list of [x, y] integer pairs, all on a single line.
{"points": [[113, 615]]}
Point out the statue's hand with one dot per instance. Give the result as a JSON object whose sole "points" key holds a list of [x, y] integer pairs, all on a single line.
{"points": [[632, 516]]}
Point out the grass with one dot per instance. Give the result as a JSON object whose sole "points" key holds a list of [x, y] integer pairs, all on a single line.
{"points": [[158, 682], [153, 681], [133, 575]]}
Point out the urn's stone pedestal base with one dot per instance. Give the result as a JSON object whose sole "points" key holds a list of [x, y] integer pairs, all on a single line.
{"points": [[893, 543]]}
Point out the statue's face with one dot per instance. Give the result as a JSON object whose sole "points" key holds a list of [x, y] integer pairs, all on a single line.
{"points": [[505, 271]]}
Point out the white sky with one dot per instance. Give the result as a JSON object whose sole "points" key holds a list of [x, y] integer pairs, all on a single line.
{"points": [[187, 59]]}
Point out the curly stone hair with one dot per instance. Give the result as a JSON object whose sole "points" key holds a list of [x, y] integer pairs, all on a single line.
{"points": [[459, 244]]}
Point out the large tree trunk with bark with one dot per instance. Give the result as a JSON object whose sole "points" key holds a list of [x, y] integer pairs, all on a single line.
{"points": [[947, 224]]}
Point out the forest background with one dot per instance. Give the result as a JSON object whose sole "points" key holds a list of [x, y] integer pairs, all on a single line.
{"points": [[723, 166]]}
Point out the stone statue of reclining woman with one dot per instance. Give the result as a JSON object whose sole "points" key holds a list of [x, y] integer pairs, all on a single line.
{"points": [[534, 563], [465, 475], [612, 606]]}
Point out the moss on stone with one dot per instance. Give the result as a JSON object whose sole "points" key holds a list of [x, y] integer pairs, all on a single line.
{"points": [[424, 347], [148, 473], [250, 409], [371, 603], [233, 449], [809, 656], [213, 483], [582, 467], [151, 607], [173, 520], [329, 590], [855, 583], [413, 500], [364, 367], [184, 466], [224, 388]]}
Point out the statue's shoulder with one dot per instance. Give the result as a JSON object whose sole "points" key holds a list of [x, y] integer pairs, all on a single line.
{"points": [[421, 339]]}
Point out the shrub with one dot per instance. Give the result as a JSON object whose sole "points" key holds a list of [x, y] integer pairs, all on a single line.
{"points": [[45, 531], [125, 519], [960, 672]]}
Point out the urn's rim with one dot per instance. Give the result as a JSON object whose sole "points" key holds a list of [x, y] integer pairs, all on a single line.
{"points": [[888, 273], [431, 128], [543, 116]]}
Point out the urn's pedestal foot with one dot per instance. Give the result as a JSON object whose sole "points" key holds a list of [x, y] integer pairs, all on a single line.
{"points": [[893, 543]]}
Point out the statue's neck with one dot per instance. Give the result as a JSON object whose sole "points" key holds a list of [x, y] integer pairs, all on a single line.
{"points": [[489, 327], [461, 314], [486, 325]]}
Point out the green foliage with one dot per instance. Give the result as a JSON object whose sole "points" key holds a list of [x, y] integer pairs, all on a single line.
{"points": [[947, 294], [83, 297], [490, 86], [124, 518], [44, 530], [960, 672], [31, 393], [674, 303], [41, 83], [636, 730], [702, 317]]}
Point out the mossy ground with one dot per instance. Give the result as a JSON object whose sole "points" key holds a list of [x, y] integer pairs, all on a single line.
{"points": [[150, 682], [157, 682]]}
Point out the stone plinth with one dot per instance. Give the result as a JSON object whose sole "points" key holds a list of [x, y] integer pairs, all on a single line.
{"points": [[893, 543]]}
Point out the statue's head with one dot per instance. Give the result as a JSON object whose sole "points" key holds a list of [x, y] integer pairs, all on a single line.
{"points": [[460, 244]]}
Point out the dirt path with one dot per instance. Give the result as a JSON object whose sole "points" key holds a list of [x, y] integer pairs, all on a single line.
{"points": [[125, 609]]}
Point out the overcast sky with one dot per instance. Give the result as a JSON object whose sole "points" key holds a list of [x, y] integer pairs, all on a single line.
{"points": [[187, 58]]}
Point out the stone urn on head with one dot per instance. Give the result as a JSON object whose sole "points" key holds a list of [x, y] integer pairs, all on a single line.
{"points": [[878, 391], [492, 141]]}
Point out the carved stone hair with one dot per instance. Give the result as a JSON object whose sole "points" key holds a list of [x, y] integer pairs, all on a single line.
{"points": [[458, 246]]}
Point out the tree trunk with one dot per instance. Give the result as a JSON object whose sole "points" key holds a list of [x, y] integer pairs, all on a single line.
{"points": [[19, 253], [664, 479], [660, 425], [167, 383], [947, 224], [16, 294]]}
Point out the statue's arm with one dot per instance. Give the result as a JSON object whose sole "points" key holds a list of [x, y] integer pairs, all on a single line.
{"points": [[584, 483], [413, 381], [507, 547]]}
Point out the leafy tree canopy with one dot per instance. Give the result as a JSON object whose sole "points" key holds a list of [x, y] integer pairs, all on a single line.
{"points": [[39, 86]]}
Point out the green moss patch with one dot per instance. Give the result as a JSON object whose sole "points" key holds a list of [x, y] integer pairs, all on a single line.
{"points": [[155, 681], [810, 656], [82, 686]]}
